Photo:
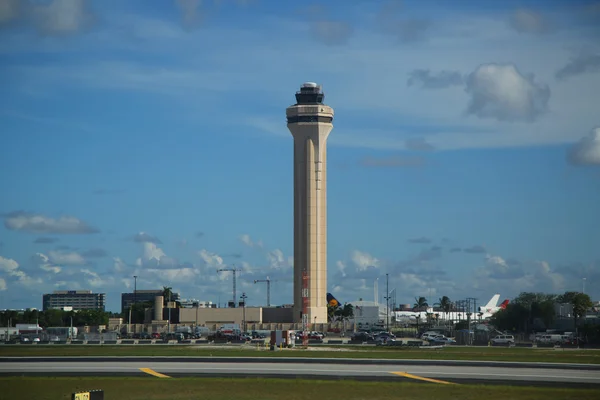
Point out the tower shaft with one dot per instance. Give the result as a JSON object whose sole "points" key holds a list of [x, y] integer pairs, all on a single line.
{"points": [[310, 123]]}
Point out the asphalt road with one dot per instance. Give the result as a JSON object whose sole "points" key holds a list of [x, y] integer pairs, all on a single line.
{"points": [[433, 373]]}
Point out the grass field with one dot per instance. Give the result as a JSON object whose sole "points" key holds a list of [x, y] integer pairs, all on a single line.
{"points": [[265, 389], [448, 353]]}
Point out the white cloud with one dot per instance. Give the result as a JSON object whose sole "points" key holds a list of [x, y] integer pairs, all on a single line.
{"points": [[247, 240], [587, 150], [155, 257], [12, 268], [277, 260], [8, 265], [65, 258], [510, 279], [2, 284], [341, 266], [94, 280], [176, 275], [503, 93], [364, 260], [143, 237], [42, 261], [441, 115], [119, 265], [211, 259], [37, 223]]}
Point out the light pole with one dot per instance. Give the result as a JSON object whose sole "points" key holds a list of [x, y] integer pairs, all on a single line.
{"points": [[134, 297], [169, 308], [583, 291], [387, 302], [134, 289], [244, 297]]}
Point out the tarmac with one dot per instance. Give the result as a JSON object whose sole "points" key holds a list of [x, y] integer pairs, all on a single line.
{"points": [[430, 371]]}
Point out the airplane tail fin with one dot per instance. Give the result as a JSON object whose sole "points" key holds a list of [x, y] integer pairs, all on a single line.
{"points": [[332, 301], [504, 304], [492, 303]]}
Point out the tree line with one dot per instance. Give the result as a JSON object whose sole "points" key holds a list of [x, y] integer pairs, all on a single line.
{"points": [[530, 312], [340, 313], [53, 318]]}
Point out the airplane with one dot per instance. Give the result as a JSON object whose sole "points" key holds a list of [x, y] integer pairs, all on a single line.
{"points": [[491, 308], [332, 301], [483, 312]]}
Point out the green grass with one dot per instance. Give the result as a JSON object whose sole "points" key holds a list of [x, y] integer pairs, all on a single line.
{"points": [[449, 353], [266, 389]]}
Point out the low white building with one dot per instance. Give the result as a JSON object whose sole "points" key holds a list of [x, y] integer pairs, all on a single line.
{"points": [[192, 303], [368, 314], [7, 333]]}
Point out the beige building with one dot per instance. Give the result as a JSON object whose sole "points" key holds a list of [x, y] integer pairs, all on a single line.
{"points": [[220, 316], [310, 122]]}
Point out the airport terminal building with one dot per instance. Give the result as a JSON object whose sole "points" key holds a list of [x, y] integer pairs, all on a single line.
{"points": [[74, 299]]}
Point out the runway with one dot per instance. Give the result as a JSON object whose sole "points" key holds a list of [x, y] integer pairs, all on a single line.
{"points": [[442, 374]]}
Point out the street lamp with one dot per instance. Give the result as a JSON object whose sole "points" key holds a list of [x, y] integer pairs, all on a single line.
{"points": [[387, 303], [134, 298], [244, 297], [169, 308], [134, 289]]}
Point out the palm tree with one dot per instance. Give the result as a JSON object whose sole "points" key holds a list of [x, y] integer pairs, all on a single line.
{"points": [[167, 293], [420, 303], [331, 313], [348, 311], [444, 303]]}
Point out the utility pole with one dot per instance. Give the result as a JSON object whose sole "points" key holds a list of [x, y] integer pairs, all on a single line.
{"points": [[387, 301], [134, 296], [169, 308], [244, 297], [305, 305], [234, 271], [268, 281], [134, 289]]}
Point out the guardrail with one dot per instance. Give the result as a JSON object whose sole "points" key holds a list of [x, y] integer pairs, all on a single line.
{"points": [[264, 342]]}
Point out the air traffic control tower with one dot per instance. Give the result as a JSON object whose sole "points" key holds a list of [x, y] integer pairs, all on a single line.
{"points": [[310, 121]]}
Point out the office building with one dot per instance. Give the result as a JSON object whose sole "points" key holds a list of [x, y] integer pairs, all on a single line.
{"points": [[142, 296], [310, 122], [74, 299]]}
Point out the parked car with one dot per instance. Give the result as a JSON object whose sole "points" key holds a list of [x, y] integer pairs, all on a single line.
{"points": [[441, 339], [384, 337], [504, 339], [429, 334]]}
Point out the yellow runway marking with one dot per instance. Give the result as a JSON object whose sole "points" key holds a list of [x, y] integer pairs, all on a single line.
{"points": [[154, 373], [422, 378]]}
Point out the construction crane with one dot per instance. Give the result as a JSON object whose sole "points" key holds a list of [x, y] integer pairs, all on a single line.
{"points": [[234, 271], [268, 289]]}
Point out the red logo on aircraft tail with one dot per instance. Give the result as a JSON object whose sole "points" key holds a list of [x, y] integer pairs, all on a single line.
{"points": [[504, 304]]}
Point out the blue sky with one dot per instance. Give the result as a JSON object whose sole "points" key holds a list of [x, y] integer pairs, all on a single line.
{"points": [[149, 139]]}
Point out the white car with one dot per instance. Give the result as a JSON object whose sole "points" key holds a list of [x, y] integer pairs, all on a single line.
{"points": [[504, 339], [441, 339], [429, 334]]}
